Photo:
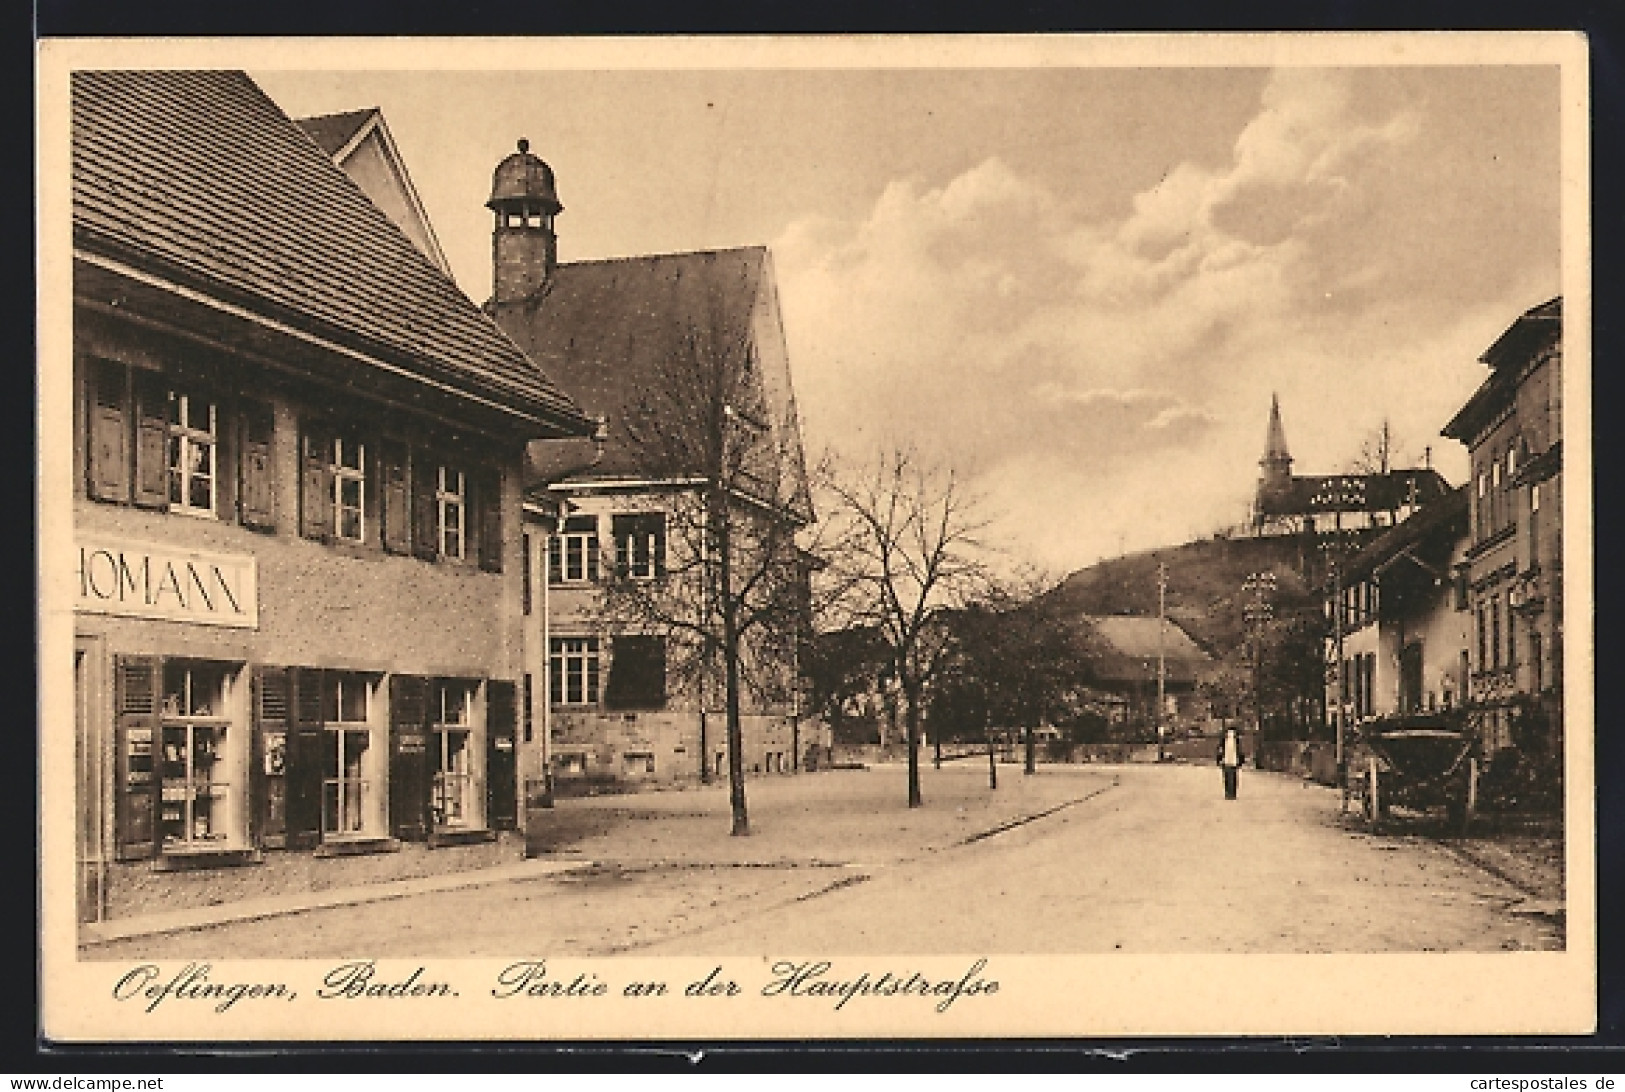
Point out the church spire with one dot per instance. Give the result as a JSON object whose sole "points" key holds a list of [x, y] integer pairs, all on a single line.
{"points": [[1275, 451]]}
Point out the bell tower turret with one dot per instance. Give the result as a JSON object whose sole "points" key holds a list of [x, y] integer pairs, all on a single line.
{"points": [[524, 247]]}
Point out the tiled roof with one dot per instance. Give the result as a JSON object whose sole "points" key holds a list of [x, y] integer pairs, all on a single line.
{"points": [[1354, 492], [333, 131], [1130, 642], [199, 178], [611, 331]]}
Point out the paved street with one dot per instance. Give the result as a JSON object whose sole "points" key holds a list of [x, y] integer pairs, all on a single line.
{"points": [[1075, 859]]}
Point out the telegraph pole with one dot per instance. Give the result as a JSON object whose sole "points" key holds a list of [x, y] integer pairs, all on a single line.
{"points": [[1337, 651], [1162, 662], [1260, 585]]}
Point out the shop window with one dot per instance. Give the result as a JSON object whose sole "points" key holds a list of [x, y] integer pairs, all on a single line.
{"points": [[348, 781], [191, 458], [454, 746], [572, 554], [640, 545], [637, 673], [451, 504], [197, 794], [574, 670]]}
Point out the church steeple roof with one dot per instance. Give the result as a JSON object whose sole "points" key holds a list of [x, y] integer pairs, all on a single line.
{"points": [[1275, 445]]}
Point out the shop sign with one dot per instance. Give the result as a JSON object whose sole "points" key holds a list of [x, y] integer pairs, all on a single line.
{"points": [[145, 581]]}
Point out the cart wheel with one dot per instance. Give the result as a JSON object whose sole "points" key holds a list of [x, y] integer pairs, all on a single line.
{"points": [[1373, 802]]}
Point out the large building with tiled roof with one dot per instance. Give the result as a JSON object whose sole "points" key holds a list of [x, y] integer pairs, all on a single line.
{"points": [[654, 346], [301, 592]]}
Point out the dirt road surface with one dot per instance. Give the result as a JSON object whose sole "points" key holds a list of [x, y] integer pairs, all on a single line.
{"points": [[1071, 860]]}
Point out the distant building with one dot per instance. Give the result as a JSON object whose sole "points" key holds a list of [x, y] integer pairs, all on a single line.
{"points": [[1123, 667], [1513, 569], [1358, 504], [1405, 620], [644, 342]]}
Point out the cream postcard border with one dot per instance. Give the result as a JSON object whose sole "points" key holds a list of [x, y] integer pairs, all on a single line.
{"points": [[1526, 993]]}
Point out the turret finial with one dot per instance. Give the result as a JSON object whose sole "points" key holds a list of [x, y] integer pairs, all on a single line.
{"points": [[524, 145]]}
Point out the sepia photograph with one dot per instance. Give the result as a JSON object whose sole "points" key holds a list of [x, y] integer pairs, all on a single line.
{"points": [[1042, 535]]}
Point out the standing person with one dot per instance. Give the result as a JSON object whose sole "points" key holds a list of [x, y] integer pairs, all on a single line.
{"points": [[1230, 759]]}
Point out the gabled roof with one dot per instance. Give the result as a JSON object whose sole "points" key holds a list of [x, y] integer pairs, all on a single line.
{"points": [[199, 180], [1433, 530], [1355, 492], [352, 138], [1130, 644], [617, 334], [332, 132]]}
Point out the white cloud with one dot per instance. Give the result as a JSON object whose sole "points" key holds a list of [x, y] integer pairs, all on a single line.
{"points": [[1107, 381]]}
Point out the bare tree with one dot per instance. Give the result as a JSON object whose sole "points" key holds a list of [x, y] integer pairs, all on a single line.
{"points": [[730, 592], [909, 534], [1379, 451]]}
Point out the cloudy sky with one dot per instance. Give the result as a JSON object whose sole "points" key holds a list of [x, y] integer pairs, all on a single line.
{"points": [[1081, 286]]}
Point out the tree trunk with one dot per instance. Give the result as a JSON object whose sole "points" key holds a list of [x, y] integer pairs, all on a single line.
{"points": [[730, 663], [1032, 758], [912, 697], [992, 764], [936, 758]]}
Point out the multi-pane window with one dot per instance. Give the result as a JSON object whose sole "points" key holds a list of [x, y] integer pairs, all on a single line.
{"points": [[1495, 633], [195, 790], [455, 797], [347, 788], [451, 502], [193, 452], [349, 488], [640, 545], [574, 671], [572, 553]]}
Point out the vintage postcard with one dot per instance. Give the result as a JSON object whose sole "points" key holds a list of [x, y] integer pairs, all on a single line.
{"points": [[1049, 536]]}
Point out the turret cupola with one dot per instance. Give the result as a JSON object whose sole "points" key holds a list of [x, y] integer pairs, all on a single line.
{"points": [[524, 247]]}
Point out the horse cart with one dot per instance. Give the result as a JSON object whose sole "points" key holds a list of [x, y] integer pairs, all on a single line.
{"points": [[1421, 763]]}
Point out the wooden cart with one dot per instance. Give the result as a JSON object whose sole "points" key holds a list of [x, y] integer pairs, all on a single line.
{"points": [[1421, 763]]}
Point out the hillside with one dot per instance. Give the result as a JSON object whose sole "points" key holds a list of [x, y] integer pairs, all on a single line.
{"points": [[1204, 586]]}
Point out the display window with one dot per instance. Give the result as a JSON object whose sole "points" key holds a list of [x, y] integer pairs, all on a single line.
{"points": [[182, 753], [455, 743], [350, 774]]}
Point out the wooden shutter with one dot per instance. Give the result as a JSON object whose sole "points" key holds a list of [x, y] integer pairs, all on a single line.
{"points": [[268, 776], [137, 685], [395, 482], [227, 442], [108, 462], [316, 481], [151, 439], [425, 512], [306, 753], [409, 782], [256, 469], [501, 763], [487, 485]]}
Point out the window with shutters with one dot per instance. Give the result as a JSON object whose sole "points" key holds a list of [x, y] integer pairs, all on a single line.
{"points": [[640, 545], [200, 794], [456, 744], [572, 553], [349, 472], [194, 445], [350, 762], [573, 663], [451, 502]]}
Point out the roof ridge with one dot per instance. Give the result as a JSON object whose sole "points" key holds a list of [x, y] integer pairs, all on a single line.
{"points": [[667, 255]]}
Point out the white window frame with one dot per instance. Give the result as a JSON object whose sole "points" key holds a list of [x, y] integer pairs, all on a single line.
{"points": [[446, 499], [455, 716], [653, 561], [214, 783], [576, 660], [343, 473], [578, 545], [339, 729], [184, 437]]}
